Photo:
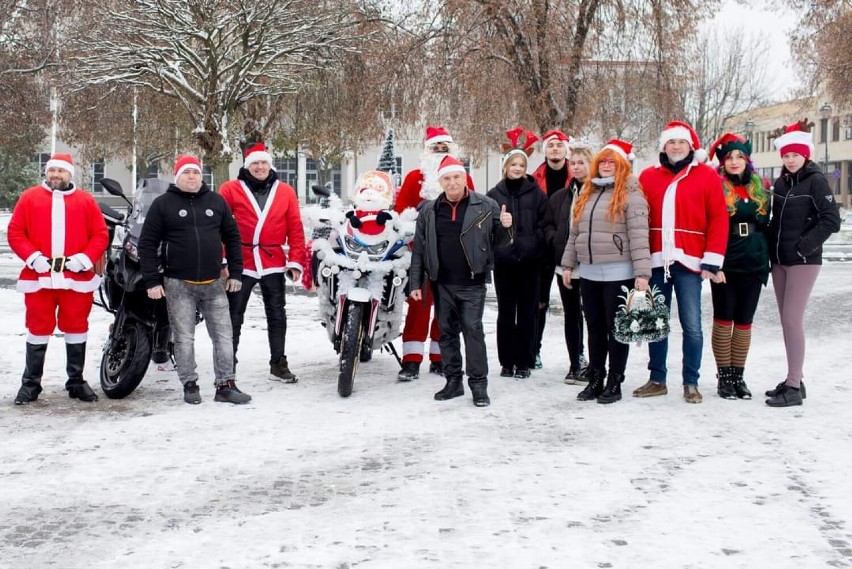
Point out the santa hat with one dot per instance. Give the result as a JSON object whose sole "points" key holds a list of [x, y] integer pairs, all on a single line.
{"points": [[256, 153], [554, 134], [727, 143], [436, 134], [449, 165], [620, 147], [185, 162], [678, 130], [795, 139], [63, 161], [377, 185]]}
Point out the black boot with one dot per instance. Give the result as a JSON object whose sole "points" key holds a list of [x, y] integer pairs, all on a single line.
{"points": [[479, 390], [75, 360], [453, 388], [739, 385], [612, 391], [595, 386], [33, 369], [725, 383]]}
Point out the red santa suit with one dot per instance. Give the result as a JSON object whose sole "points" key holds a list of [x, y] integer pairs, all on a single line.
{"points": [[688, 218], [264, 232], [59, 225], [415, 188]]}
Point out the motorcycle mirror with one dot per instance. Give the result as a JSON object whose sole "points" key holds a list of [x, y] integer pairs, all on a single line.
{"points": [[321, 191], [114, 188]]}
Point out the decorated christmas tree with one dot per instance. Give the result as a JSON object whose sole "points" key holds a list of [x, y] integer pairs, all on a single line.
{"points": [[387, 160]]}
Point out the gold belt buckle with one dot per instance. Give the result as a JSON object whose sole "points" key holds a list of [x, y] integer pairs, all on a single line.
{"points": [[57, 264], [743, 229]]}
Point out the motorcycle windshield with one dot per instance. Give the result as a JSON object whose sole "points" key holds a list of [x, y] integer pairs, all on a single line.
{"points": [[146, 192]]}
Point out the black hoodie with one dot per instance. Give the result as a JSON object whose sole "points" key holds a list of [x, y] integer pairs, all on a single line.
{"points": [[191, 228]]}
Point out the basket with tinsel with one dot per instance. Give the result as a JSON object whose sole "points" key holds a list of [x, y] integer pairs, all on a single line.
{"points": [[644, 317]]}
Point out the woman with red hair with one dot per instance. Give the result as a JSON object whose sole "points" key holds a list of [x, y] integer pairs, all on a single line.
{"points": [[609, 242], [736, 287]]}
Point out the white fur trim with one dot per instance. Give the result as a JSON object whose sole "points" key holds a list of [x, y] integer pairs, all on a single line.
{"points": [[450, 169], [676, 133], [620, 151], [37, 340], [434, 348], [410, 347], [186, 167], [436, 139], [511, 153], [258, 156], [714, 259], [700, 156], [76, 338], [54, 163], [57, 225]]}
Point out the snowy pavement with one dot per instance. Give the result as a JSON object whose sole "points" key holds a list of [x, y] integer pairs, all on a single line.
{"points": [[390, 478]]}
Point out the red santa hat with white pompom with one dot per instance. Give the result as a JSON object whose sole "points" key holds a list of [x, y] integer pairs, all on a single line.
{"points": [[620, 147], [679, 130]]}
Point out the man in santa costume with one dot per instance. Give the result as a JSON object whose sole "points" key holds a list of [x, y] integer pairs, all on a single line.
{"points": [[267, 214], [420, 185], [59, 232], [688, 223]]}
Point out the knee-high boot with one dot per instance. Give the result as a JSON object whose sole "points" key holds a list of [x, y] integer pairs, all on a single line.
{"points": [[75, 361], [33, 370]]}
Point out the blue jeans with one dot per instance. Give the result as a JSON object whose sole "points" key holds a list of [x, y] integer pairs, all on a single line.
{"points": [[687, 289], [183, 299]]}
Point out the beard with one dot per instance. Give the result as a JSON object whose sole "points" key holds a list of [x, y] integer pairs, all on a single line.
{"points": [[429, 164], [58, 185]]}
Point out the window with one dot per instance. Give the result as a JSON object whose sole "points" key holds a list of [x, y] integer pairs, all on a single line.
{"points": [[207, 177], [153, 171], [466, 162], [312, 178], [287, 170], [835, 130], [823, 130], [40, 160], [97, 176], [848, 135]]}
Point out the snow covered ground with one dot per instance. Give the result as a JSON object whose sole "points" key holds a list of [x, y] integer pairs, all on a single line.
{"points": [[391, 478]]}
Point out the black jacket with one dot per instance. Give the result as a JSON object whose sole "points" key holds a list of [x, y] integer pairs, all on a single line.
{"points": [[191, 229], [804, 215], [557, 220], [527, 207], [481, 232]]}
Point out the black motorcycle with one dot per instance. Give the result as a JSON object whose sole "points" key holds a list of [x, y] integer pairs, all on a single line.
{"points": [[140, 332]]}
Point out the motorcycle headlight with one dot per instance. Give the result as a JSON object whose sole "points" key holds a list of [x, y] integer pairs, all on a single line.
{"points": [[360, 247]]}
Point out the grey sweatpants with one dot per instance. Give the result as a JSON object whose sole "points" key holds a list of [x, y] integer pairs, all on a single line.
{"points": [[793, 285]]}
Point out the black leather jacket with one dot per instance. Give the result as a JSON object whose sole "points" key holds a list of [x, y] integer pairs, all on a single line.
{"points": [[480, 233]]}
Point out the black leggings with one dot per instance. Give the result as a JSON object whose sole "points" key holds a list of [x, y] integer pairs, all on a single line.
{"points": [[600, 303]]}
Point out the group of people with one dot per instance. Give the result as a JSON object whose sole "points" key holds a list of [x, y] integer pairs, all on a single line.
{"points": [[602, 229], [582, 218]]}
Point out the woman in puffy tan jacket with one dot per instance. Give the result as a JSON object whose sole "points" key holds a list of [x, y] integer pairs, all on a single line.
{"points": [[608, 245]]}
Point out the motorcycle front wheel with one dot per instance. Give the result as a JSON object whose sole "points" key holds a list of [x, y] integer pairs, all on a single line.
{"points": [[350, 348], [124, 364]]}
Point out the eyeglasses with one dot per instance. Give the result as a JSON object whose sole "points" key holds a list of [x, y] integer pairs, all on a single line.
{"points": [[609, 161]]}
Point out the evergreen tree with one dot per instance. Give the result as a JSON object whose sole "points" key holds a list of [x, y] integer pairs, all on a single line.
{"points": [[387, 160]]}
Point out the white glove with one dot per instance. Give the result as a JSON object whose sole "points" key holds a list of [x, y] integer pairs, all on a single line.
{"points": [[74, 265], [40, 264]]}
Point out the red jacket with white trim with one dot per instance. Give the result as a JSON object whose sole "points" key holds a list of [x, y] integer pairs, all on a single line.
{"points": [[409, 191], [264, 233], [688, 218], [57, 224]]}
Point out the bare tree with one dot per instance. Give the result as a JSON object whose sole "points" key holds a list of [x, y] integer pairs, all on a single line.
{"points": [[214, 56]]}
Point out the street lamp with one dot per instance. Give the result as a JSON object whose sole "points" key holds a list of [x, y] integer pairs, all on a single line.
{"points": [[825, 113], [749, 129]]}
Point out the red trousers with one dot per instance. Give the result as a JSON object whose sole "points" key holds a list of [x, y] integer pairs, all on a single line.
{"points": [[48, 307], [416, 328]]}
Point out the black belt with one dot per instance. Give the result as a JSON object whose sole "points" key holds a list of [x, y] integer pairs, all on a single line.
{"points": [[57, 264], [743, 229]]}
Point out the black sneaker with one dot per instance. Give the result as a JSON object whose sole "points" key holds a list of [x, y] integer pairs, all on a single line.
{"points": [[191, 393], [576, 376], [785, 396], [507, 372], [280, 371], [538, 364], [228, 392], [522, 373], [437, 368], [783, 385], [409, 372], [81, 390]]}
